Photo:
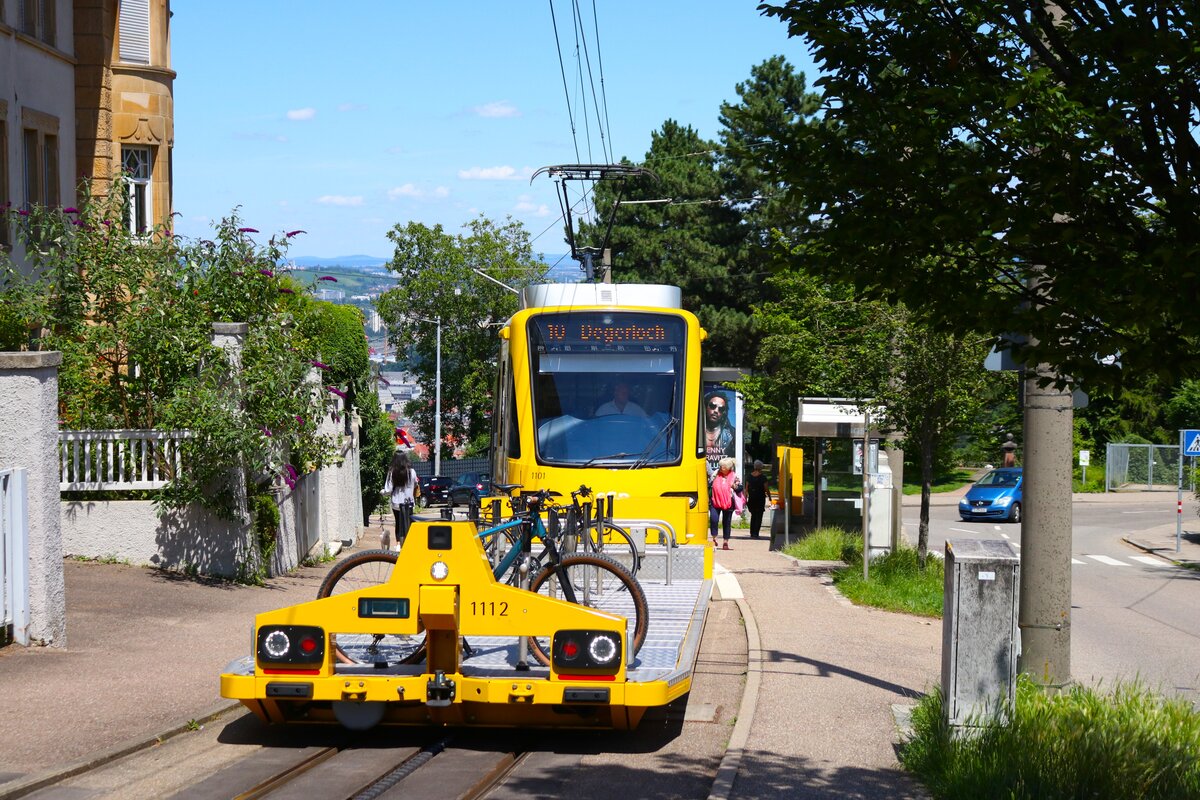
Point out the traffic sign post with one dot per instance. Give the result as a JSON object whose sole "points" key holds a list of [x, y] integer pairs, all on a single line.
{"points": [[1085, 458], [1189, 445]]}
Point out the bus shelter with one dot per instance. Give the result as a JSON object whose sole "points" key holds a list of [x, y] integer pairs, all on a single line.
{"points": [[844, 449]]}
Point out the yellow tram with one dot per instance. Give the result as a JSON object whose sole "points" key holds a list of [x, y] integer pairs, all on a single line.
{"points": [[598, 385]]}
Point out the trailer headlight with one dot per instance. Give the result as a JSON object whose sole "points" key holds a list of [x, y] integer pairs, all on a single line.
{"points": [[277, 644], [583, 653], [290, 645], [604, 648]]}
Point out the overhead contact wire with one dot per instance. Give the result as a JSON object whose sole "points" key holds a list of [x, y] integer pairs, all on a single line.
{"points": [[562, 69]]}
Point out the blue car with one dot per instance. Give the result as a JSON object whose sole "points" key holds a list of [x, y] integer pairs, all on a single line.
{"points": [[997, 495]]}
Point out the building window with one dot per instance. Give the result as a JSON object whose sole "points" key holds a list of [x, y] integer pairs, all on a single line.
{"points": [[38, 20], [134, 31], [39, 150], [5, 233], [137, 167], [50, 170], [33, 184]]}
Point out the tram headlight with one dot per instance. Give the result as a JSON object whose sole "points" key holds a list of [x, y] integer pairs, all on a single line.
{"points": [[290, 645], [586, 652], [439, 571]]}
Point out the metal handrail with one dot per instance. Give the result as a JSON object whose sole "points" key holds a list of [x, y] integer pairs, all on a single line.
{"points": [[660, 525]]}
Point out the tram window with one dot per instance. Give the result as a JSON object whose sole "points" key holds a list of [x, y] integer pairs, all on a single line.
{"points": [[513, 420]]}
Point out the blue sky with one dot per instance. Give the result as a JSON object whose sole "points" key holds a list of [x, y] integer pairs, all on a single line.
{"points": [[348, 119]]}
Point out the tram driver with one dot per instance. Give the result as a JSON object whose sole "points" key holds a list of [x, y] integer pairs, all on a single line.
{"points": [[620, 403]]}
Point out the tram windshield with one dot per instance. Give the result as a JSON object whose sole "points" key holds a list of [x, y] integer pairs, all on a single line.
{"points": [[607, 387]]}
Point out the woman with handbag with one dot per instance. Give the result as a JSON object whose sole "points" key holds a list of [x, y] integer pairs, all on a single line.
{"points": [[725, 484], [403, 486]]}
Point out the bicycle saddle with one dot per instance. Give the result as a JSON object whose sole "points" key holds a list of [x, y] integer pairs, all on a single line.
{"points": [[506, 487]]}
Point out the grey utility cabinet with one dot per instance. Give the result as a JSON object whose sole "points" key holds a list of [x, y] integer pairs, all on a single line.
{"points": [[980, 640]]}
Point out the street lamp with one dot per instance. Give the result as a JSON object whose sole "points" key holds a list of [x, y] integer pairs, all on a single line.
{"points": [[437, 412]]}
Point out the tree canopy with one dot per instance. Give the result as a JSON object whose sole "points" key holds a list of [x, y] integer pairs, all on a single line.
{"points": [[967, 145], [438, 280]]}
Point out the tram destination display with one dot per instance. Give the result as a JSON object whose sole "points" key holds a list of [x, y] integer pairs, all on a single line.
{"points": [[607, 332]]}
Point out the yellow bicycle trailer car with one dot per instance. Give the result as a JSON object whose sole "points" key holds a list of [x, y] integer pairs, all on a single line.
{"points": [[442, 589]]}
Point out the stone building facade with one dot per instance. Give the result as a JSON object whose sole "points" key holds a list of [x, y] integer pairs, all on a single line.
{"points": [[86, 92]]}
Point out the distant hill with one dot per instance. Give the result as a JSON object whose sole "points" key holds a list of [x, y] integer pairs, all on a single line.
{"points": [[349, 262], [564, 269]]}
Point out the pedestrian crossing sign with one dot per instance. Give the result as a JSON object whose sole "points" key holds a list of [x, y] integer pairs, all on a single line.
{"points": [[1191, 442]]}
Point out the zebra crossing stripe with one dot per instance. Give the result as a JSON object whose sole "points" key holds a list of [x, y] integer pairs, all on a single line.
{"points": [[1152, 561], [1112, 562], [1077, 561]]}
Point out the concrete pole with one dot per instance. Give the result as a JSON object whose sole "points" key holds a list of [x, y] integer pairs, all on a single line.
{"points": [[1045, 608], [437, 411], [29, 440], [895, 458]]}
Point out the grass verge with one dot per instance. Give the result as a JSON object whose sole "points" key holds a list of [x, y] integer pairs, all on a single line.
{"points": [[1128, 742], [941, 483], [896, 582]]}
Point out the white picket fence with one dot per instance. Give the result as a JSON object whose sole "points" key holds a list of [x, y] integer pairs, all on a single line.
{"points": [[91, 461], [14, 557]]}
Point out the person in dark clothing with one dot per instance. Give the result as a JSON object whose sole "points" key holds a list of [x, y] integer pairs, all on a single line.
{"points": [[757, 495]]}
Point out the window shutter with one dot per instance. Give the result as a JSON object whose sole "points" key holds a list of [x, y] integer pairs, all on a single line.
{"points": [[134, 31]]}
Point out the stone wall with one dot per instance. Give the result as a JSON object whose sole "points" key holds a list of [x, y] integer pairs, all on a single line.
{"points": [[29, 440]]}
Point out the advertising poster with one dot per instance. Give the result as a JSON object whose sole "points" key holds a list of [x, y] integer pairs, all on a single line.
{"points": [[722, 414]]}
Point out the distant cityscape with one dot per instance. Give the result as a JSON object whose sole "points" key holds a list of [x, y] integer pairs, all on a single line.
{"points": [[360, 280]]}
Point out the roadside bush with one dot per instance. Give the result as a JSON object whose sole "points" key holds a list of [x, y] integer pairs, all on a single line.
{"points": [[1129, 742]]}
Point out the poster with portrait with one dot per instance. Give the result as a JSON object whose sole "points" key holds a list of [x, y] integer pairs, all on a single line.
{"points": [[722, 430]]}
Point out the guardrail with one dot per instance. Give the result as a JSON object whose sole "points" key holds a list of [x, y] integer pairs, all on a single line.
{"points": [[91, 461]]}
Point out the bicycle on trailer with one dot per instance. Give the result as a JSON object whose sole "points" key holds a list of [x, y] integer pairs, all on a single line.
{"points": [[592, 579], [581, 528]]}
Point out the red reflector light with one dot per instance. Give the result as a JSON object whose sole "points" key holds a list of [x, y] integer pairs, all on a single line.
{"points": [[570, 649], [308, 644], [587, 677], [277, 671]]}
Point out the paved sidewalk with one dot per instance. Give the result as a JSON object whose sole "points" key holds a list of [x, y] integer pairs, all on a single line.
{"points": [[826, 674]]}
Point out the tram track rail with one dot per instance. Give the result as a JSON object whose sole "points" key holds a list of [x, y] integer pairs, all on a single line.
{"points": [[387, 764]]}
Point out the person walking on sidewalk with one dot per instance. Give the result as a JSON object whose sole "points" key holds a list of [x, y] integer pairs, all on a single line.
{"points": [[402, 485], [757, 495], [720, 499]]}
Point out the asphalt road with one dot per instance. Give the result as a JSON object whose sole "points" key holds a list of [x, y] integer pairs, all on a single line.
{"points": [[1132, 614]]}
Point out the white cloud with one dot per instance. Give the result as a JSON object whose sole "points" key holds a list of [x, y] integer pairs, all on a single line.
{"points": [[407, 190], [410, 190], [526, 206], [301, 114], [340, 200], [498, 108], [502, 173]]}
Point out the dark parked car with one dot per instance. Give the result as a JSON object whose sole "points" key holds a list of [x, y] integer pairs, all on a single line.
{"points": [[997, 495], [468, 485], [434, 490]]}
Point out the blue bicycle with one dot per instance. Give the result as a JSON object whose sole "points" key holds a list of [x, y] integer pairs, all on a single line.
{"points": [[591, 579]]}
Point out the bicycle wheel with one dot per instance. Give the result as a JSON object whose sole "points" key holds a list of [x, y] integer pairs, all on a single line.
{"points": [[360, 571], [598, 582], [619, 546]]}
